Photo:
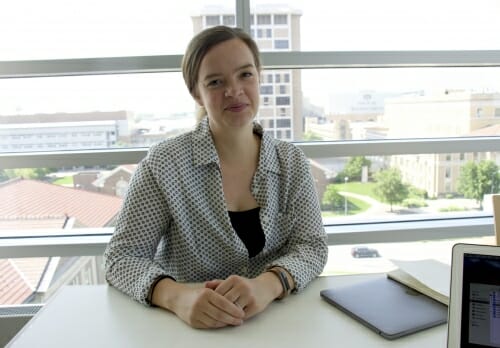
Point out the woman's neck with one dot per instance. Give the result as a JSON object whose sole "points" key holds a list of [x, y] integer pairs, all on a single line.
{"points": [[237, 146]]}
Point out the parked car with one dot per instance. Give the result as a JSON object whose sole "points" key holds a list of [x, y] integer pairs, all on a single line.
{"points": [[362, 251]]}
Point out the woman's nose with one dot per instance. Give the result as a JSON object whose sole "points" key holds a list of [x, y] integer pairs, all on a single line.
{"points": [[232, 90]]}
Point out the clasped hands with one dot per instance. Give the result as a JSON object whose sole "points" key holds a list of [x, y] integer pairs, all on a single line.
{"points": [[227, 302]]}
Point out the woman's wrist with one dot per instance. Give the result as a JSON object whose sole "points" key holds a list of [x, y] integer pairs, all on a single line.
{"points": [[164, 293], [279, 282], [285, 280]]}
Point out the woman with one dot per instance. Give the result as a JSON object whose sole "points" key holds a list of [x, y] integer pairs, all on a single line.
{"points": [[225, 204]]}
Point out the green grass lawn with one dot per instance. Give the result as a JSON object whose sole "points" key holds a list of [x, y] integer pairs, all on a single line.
{"points": [[354, 205], [66, 180], [365, 189]]}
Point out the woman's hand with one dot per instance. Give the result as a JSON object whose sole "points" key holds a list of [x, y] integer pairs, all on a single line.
{"points": [[252, 295], [197, 306]]}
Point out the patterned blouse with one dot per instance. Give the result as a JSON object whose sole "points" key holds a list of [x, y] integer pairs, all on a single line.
{"points": [[174, 221]]}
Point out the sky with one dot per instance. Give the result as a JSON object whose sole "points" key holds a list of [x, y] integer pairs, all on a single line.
{"points": [[50, 29]]}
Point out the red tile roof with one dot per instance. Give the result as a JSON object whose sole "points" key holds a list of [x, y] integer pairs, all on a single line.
{"points": [[32, 199], [32, 204], [14, 289]]}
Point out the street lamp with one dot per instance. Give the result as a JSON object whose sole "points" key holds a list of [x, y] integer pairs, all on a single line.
{"points": [[345, 196]]}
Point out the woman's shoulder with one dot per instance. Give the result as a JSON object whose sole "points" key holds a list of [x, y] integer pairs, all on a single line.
{"points": [[175, 146], [286, 149]]}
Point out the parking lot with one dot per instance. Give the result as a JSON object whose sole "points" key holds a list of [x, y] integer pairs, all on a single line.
{"points": [[340, 260]]}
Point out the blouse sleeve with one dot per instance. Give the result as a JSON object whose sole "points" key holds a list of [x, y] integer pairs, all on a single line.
{"points": [[306, 251], [143, 219]]}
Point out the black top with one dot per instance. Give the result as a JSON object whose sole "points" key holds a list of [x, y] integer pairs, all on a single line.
{"points": [[247, 226]]}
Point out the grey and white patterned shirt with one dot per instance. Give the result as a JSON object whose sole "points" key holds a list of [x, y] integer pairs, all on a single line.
{"points": [[174, 220]]}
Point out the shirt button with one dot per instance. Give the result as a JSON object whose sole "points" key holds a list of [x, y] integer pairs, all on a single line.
{"points": [[244, 270], [265, 219]]}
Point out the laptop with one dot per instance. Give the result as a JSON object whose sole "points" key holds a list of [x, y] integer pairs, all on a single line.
{"points": [[474, 312], [387, 307]]}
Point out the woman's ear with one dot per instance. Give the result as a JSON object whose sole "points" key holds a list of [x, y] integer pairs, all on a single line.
{"points": [[197, 98]]}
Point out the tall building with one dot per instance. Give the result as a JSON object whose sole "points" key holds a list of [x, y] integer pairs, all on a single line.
{"points": [[274, 28]]}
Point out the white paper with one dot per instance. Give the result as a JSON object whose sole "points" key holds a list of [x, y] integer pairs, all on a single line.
{"points": [[434, 274]]}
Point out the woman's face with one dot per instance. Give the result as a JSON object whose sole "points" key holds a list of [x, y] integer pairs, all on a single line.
{"points": [[228, 85]]}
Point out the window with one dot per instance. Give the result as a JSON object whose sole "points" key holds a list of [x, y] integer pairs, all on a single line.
{"points": [[282, 100], [340, 109], [281, 44], [370, 25], [228, 20], [283, 123], [212, 20], [263, 19], [280, 19], [447, 175], [266, 89]]}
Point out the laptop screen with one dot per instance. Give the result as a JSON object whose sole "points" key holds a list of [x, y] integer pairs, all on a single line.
{"points": [[480, 301]]}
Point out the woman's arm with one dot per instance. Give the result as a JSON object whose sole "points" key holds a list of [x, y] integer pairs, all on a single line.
{"points": [[306, 251], [142, 220]]}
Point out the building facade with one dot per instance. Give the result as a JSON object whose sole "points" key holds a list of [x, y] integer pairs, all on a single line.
{"points": [[447, 114], [63, 131]]}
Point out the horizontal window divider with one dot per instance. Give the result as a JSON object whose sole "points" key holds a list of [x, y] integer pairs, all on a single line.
{"points": [[87, 244], [72, 158], [90, 66], [399, 146], [53, 246], [419, 230], [311, 149], [270, 60], [379, 59]]}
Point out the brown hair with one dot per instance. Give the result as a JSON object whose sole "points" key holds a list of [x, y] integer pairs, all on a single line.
{"points": [[201, 43]]}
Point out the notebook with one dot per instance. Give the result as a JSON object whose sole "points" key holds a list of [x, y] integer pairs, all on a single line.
{"points": [[474, 312], [387, 307]]}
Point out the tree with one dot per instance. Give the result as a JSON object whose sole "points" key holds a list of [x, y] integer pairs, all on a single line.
{"points": [[311, 136], [331, 198], [354, 167], [28, 173], [478, 179], [390, 187], [3, 176]]}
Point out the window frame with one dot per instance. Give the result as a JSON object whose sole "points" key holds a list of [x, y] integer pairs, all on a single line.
{"points": [[92, 241]]}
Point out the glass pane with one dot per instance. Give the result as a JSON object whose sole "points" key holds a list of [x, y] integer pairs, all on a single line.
{"points": [[350, 190], [57, 29], [377, 257], [361, 104], [387, 188], [91, 112], [109, 111], [43, 201], [34, 280], [365, 25]]}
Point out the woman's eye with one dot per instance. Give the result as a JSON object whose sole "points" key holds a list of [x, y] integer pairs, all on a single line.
{"points": [[214, 83], [247, 74]]}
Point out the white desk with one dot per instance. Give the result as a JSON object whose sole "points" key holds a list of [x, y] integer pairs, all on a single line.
{"points": [[101, 316]]}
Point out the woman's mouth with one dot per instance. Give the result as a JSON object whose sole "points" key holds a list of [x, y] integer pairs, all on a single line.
{"points": [[236, 107]]}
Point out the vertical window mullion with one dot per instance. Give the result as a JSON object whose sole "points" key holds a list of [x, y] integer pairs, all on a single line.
{"points": [[243, 15]]}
